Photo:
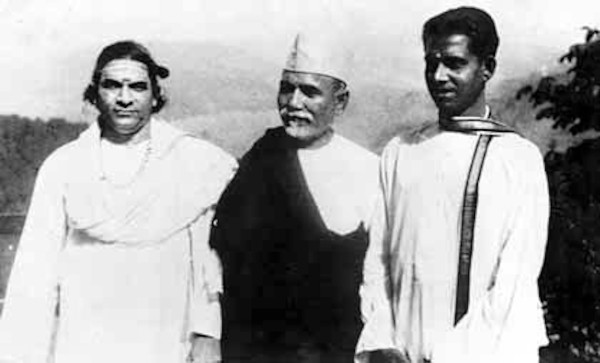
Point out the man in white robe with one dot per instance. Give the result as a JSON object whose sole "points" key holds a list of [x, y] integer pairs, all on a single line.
{"points": [[291, 226], [459, 235], [113, 263]]}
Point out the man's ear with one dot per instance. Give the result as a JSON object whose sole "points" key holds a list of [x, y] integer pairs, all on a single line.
{"points": [[341, 100], [489, 67]]}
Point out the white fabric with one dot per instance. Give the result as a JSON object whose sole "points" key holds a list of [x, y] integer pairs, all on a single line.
{"points": [[320, 52], [121, 300], [121, 163], [342, 179], [409, 292], [113, 215]]}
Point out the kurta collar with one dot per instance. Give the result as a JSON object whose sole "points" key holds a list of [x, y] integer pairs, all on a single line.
{"points": [[474, 124]]}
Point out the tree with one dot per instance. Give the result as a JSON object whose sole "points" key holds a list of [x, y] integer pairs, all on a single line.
{"points": [[570, 280], [572, 100], [24, 144]]}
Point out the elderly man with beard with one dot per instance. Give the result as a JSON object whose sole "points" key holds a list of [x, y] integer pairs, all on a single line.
{"points": [[291, 228], [113, 263], [459, 236]]}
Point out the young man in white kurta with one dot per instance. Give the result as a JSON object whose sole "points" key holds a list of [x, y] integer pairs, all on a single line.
{"points": [[410, 287], [414, 248]]}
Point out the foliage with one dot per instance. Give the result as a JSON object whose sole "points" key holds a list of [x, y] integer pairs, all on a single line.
{"points": [[570, 280], [572, 100], [24, 144]]}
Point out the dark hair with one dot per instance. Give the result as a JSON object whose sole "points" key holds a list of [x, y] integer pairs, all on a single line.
{"points": [[128, 49], [472, 22]]}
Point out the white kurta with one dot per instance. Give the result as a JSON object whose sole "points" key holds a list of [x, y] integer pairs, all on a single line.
{"points": [[411, 266], [343, 181], [126, 298]]}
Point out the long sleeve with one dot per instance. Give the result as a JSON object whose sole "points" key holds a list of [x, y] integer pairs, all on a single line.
{"points": [[376, 305], [506, 324], [207, 284], [28, 319]]}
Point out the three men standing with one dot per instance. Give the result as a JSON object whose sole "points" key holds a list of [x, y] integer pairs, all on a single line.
{"points": [[459, 235], [291, 227]]}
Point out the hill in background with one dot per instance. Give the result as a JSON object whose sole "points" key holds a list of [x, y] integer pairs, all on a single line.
{"points": [[227, 92], [376, 114]]}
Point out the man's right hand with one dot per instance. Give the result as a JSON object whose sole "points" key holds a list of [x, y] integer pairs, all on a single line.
{"points": [[204, 349], [388, 356]]}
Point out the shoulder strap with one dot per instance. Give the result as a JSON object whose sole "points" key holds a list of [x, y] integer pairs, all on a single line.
{"points": [[486, 128], [469, 210], [478, 125]]}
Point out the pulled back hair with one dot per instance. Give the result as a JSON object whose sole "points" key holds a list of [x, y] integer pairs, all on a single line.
{"points": [[472, 22], [128, 49]]}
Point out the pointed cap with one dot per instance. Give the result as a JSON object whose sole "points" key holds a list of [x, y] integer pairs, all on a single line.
{"points": [[320, 54]]}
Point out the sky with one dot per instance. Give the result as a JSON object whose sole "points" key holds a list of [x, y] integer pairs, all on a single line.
{"points": [[37, 35]]}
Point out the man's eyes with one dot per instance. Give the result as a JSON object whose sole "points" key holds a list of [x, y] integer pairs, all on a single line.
{"points": [[307, 90], [310, 91], [286, 88], [454, 63], [112, 84], [433, 62], [139, 86]]}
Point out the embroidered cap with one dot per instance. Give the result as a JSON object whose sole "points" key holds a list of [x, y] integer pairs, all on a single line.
{"points": [[320, 54]]}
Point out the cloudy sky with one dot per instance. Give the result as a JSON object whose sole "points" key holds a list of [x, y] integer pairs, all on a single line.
{"points": [[38, 34]]}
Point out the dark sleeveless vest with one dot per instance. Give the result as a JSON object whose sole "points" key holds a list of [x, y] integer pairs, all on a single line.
{"points": [[288, 280]]}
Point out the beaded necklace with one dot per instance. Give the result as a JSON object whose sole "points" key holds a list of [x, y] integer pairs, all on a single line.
{"points": [[141, 168]]}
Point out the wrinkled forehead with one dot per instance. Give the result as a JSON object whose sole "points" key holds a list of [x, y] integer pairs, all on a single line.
{"points": [[307, 78], [125, 69]]}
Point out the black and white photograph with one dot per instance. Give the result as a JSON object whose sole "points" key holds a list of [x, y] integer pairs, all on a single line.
{"points": [[299, 181]]}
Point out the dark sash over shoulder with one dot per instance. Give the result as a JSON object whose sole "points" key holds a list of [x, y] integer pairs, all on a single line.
{"points": [[486, 128], [476, 125]]}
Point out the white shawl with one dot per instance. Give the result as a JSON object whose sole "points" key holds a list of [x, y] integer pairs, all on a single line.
{"points": [[155, 205]]}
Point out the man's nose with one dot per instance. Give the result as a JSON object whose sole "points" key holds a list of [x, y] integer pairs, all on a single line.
{"points": [[441, 73], [125, 97], [296, 99]]}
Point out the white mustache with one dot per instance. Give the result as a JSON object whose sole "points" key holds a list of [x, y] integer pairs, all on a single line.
{"points": [[301, 115]]}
